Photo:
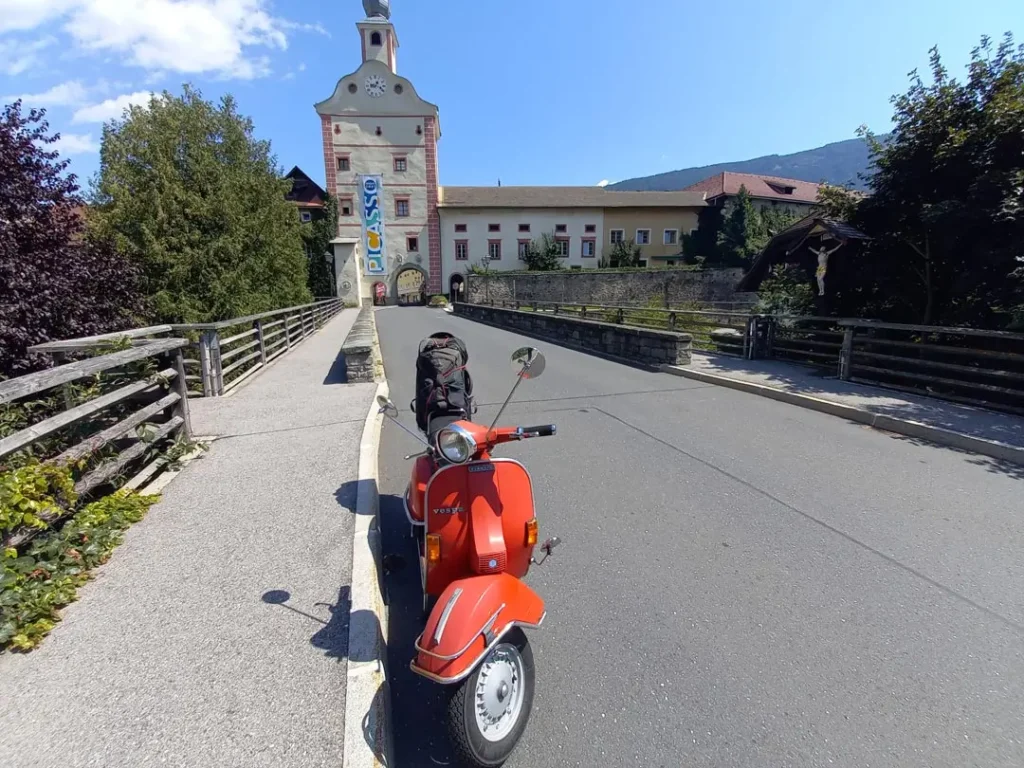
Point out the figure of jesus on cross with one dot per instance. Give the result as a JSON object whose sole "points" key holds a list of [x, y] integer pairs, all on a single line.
{"points": [[823, 255]]}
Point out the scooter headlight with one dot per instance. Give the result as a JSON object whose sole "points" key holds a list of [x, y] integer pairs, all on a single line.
{"points": [[456, 444]]}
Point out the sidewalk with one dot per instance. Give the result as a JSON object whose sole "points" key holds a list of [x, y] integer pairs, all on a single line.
{"points": [[216, 635], [994, 434]]}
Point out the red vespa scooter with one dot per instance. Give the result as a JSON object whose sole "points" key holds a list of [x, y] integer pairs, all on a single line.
{"points": [[474, 521]]}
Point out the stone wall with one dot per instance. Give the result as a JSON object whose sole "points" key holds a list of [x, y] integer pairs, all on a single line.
{"points": [[671, 287], [358, 349], [641, 345]]}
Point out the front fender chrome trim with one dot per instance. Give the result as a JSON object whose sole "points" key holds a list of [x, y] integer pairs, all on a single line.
{"points": [[487, 624], [469, 670], [443, 621]]}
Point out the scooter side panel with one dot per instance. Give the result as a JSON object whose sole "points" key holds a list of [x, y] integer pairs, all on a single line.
{"points": [[469, 618], [480, 511]]}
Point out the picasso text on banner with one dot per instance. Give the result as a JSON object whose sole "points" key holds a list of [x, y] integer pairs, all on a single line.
{"points": [[373, 225]]}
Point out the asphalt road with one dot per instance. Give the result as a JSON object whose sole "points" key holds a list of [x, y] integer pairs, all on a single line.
{"points": [[741, 583]]}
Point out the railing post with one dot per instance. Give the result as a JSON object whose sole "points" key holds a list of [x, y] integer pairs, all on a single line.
{"points": [[672, 321], [181, 387], [554, 310], [287, 333], [619, 316], [206, 363], [263, 345], [218, 365], [302, 323], [583, 311], [846, 354]]}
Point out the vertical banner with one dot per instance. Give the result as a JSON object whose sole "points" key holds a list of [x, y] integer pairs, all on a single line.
{"points": [[373, 225]]}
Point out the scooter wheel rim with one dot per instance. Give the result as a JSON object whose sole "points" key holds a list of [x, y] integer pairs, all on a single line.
{"points": [[498, 697]]}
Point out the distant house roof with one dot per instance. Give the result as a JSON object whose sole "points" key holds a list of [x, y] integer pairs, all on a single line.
{"points": [[305, 192], [768, 187], [790, 240], [564, 197]]}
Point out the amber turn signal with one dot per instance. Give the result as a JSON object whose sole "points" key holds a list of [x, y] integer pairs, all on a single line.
{"points": [[433, 549], [531, 532]]}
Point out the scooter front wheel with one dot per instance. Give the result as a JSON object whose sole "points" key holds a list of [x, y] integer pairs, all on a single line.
{"points": [[488, 712]]}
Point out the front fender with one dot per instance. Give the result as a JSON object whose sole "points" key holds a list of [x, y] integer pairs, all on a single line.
{"points": [[470, 617]]}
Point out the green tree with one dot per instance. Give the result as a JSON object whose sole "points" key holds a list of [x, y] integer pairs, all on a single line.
{"points": [[945, 211], [316, 238], [701, 246], [188, 193], [739, 229], [543, 254], [625, 253]]}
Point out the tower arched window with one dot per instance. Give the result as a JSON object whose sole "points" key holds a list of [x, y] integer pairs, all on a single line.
{"points": [[375, 39]]}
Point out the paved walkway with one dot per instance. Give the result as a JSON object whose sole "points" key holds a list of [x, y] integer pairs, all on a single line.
{"points": [[216, 635], [974, 422]]}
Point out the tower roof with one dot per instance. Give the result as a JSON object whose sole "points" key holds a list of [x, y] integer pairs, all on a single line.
{"points": [[377, 8]]}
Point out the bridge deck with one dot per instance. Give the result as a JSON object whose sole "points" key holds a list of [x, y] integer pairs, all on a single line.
{"points": [[181, 653]]}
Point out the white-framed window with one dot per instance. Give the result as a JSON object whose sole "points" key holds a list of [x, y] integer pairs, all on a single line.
{"points": [[402, 207], [643, 237], [563, 246], [401, 164], [616, 236], [306, 216], [462, 250], [494, 250], [670, 237], [346, 206], [589, 248], [524, 249]]}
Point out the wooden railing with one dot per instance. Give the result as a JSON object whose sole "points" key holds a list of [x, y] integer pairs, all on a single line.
{"points": [[965, 365], [230, 351], [131, 402], [962, 364]]}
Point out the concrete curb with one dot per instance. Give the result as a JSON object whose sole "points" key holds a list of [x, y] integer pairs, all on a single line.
{"points": [[367, 696], [991, 448]]}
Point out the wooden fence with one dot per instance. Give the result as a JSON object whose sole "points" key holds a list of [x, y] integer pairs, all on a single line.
{"points": [[228, 352], [102, 414], [965, 365]]}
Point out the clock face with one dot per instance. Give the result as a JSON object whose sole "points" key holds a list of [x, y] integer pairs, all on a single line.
{"points": [[375, 86]]}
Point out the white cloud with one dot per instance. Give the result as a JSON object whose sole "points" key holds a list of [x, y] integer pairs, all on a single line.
{"points": [[222, 37], [603, 183], [17, 56], [66, 94], [111, 109], [75, 144], [28, 14]]}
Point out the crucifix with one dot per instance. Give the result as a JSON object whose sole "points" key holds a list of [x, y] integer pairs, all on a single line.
{"points": [[823, 254]]}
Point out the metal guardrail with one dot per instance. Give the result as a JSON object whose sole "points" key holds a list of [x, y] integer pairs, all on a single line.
{"points": [[113, 429], [966, 365]]}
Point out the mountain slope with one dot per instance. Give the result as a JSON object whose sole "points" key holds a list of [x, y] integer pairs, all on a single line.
{"points": [[837, 163]]}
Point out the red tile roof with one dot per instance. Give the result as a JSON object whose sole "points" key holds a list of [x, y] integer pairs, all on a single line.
{"points": [[770, 187]]}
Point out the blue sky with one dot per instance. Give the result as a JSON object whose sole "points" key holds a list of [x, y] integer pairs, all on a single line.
{"points": [[570, 92]]}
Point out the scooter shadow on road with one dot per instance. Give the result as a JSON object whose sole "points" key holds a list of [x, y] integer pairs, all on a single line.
{"points": [[418, 706], [333, 639]]}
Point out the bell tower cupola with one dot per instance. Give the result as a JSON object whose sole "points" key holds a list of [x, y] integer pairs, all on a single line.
{"points": [[379, 41]]}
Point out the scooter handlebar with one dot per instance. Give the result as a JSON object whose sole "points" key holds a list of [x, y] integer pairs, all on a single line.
{"points": [[542, 430]]}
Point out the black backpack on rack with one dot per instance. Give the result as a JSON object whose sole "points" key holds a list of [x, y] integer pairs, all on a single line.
{"points": [[443, 384]]}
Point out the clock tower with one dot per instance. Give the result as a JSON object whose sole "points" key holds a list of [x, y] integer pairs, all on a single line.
{"points": [[380, 155]]}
